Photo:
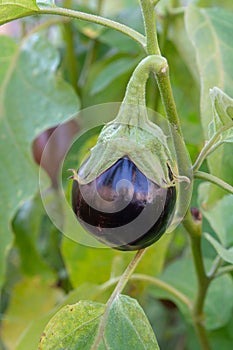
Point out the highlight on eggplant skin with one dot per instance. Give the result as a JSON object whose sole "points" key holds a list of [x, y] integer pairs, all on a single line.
{"points": [[122, 208]]}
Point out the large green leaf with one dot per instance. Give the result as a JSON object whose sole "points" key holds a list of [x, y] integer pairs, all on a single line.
{"points": [[76, 327], [111, 72], [210, 31], [10, 10], [33, 98]]}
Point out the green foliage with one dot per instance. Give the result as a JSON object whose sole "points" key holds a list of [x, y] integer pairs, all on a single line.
{"points": [[76, 326], [181, 276], [33, 98], [80, 260], [225, 254], [218, 215], [31, 299], [223, 114], [11, 10], [210, 32], [56, 292]]}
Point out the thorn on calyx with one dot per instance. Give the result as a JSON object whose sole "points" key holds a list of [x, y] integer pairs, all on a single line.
{"points": [[74, 176]]}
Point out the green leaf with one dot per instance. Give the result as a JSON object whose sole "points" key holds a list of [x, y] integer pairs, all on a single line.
{"points": [[111, 72], [215, 3], [31, 299], [181, 275], [26, 227], [127, 326], [86, 264], [225, 254], [31, 336], [218, 215], [76, 327], [83, 262], [33, 98], [223, 114], [221, 338], [10, 10], [210, 31], [114, 89], [37, 241]]}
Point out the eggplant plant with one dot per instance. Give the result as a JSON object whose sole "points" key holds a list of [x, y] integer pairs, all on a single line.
{"points": [[135, 98]]}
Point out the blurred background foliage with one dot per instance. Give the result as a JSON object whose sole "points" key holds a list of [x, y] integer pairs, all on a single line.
{"points": [[44, 269]]}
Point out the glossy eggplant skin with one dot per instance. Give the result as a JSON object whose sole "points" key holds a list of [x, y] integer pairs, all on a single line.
{"points": [[122, 208]]}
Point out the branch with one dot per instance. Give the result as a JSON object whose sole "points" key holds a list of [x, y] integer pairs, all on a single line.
{"points": [[223, 270], [156, 282], [213, 179], [119, 287], [210, 146], [133, 34], [194, 228]]}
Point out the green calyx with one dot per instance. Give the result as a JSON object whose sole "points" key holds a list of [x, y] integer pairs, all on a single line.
{"points": [[133, 135]]}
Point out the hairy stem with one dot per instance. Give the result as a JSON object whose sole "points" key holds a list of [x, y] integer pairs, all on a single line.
{"points": [[156, 282], [223, 270], [214, 179], [133, 34], [195, 232], [162, 77], [163, 80], [136, 88], [148, 13], [165, 286], [210, 146], [119, 287], [215, 266]]}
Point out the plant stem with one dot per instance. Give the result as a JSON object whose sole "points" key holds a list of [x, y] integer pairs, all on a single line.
{"points": [[195, 232], [163, 80], [162, 77], [223, 270], [214, 179], [210, 146], [156, 282], [148, 12], [133, 34], [119, 287], [215, 266], [165, 286], [135, 92]]}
